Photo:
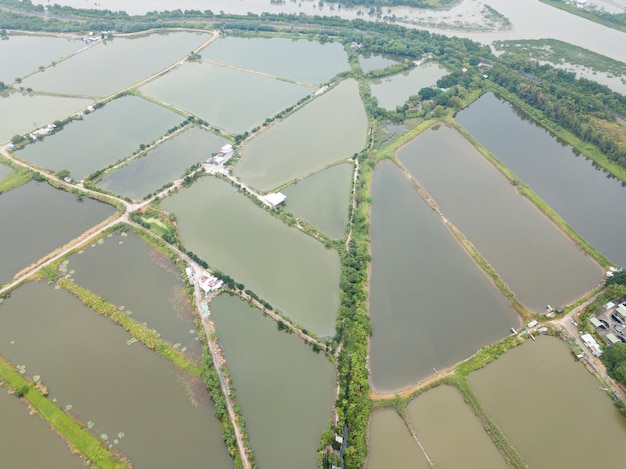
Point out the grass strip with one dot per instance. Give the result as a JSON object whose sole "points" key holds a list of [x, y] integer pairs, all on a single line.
{"points": [[77, 437], [149, 337]]}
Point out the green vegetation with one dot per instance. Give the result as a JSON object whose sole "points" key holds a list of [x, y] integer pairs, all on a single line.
{"points": [[18, 177], [149, 337], [615, 21], [561, 53], [614, 358], [78, 438]]}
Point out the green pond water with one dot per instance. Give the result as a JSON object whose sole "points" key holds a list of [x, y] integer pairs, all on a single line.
{"points": [[153, 414], [232, 100], [105, 68], [130, 274], [534, 257], [285, 390], [326, 130], [550, 408], [281, 57], [103, 137], [287, 268], [323, 199], [27, 441], [164, 163], [390, 443], [450, 432], [395, 90], [586, 196], [41, 219], [22, 55], [22, 113], [430, 305]]}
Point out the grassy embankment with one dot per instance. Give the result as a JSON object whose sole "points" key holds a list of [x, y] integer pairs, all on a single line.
{"points": [[18, 177], [78, 438], [610, 21]]}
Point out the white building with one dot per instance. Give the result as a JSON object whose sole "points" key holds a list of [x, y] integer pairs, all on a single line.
{"points": [[274, 199]]}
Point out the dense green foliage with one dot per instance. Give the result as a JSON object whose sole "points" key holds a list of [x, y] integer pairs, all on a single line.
{"points": [[614, 358]]}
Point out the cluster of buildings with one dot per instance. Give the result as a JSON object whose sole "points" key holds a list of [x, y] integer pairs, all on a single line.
{"points": [[225, 153], [610, 323], [47, 130], [273, 199], [206, 282]]}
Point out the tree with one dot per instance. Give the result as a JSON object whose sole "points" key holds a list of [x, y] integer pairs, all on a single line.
{"points": [[614, 358], [17, 139], [63, 174]]}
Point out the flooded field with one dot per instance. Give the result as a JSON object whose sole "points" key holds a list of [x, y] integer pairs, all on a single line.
{"points": [[395, 90], [130, 274], [23, 210], [116, 64], [540, 264], [282, 57], [369, 61], [390, 443], [323, 199], [23, 55], [285, 410], [544, 402], [118, 390], [164, 163], [287, 268], [329, 129], [430, 305], [102, 137], [21, 113], [232, 100], [27, 440], [450, 432], [586, 196]]}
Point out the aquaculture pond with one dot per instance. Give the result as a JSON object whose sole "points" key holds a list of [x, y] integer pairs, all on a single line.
{"points": [[330, 128], [26, 238], [115, 64], [5, 170], [23, 55], [323, 199], [543, 400], [285, 408], [123, 392], [232, 100], [451, 433], [529, 252], [370, 61], [23, 113], [430, 304], [42, 447], [163, 164], [395, 90], [102, 137], [137, 277], [281, 56], [586, 196], [284, 266], [391, 445]]}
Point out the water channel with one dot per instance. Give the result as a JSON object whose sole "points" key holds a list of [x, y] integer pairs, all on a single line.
{"points": [[369, 61], [126, 394], [550, 408], [116, 64], [145, 282], [430, 304], [285, 390], [37, 219], [102, 137], [282, 57], [162, 164], [586, 196], [287, 268], [531, 254], [323, 199], [324, 131]]}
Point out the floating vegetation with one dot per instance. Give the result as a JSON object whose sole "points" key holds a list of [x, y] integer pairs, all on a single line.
{"points": [[54, 400], [93, 245], [81, 251], [129, 312], [192, 331], [100, 241], [90, 425], [184, 349], [121, 435], [177, 345], [72, 271], [123, 233], [21, 369], [36, 378], [57, 287], [121, 308], [105, 437], [109, 235], [131, 341], [12, 342], [68, 407], [116, 441], [120, 242]]}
